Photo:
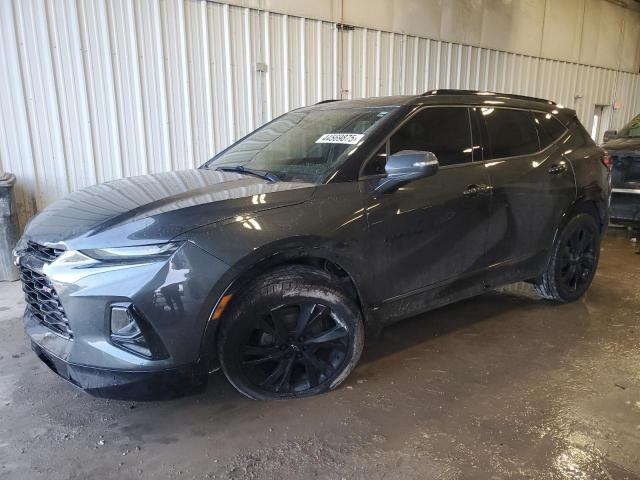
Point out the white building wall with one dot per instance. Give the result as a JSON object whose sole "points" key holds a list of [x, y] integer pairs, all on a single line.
{"points": [[602, 33], [93, 90]]}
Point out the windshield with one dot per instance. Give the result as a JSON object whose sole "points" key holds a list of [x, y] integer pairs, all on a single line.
{"points": [[631, 129], [303, 145]]}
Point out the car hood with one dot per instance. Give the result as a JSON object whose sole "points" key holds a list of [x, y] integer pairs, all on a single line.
{"points": [[155, 208], [622, 144]]}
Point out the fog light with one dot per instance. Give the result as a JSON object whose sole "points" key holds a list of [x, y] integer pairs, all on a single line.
{"points": [[122, 323], [126, 333]]}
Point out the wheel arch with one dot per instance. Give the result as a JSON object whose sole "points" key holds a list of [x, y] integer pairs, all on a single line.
{"points": [[257, 263], [547, 285], [587, 205], [582, 204]]}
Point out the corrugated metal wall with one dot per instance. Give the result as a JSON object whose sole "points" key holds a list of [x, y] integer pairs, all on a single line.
{"points": [[94, 90]]}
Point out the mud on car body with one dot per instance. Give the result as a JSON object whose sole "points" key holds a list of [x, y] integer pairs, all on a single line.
{"points": [[278, 256]]}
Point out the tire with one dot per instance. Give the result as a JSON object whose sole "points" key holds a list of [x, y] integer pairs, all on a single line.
{"points": [[573, 261], [290, 333]]}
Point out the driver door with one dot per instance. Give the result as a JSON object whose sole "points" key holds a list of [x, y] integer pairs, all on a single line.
{"points": [[431, 232]]}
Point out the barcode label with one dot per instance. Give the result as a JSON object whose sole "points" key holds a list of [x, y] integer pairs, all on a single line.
{"points": [[346, 138]]}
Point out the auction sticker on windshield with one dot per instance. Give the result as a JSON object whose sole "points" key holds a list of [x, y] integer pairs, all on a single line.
{"points": [[346, 138]]}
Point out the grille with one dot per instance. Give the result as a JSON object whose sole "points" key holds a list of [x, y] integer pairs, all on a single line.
{"points": [[43, 302], [46, 254]]}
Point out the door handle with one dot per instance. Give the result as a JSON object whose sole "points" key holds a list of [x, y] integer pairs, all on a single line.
{"points": [[474, 190], [558, 168]]}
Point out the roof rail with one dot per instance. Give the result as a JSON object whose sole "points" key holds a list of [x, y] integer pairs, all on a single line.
{"points": [[448, 91], [327, 101]]}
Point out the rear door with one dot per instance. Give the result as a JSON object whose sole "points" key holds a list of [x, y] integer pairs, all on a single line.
{"points": [[533, 185], [433, 230]]}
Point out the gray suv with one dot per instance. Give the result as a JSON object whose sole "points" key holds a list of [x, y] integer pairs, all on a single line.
{"points": [[278, 256]]}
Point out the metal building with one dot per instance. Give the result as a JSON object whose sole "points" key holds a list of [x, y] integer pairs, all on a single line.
{"points": [[84, 102]]}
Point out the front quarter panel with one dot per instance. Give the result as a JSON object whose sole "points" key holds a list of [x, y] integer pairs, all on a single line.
{"points": [[331, 225]]}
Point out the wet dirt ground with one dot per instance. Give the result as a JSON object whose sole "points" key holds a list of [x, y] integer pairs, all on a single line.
{"points": [[500, 386]]}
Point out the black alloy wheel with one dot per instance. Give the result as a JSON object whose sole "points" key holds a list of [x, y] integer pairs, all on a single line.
{"points": [[295, 347], [573, 261], [293, 332], [578, 258]]}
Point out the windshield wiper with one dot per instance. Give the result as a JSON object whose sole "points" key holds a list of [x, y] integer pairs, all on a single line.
{"points": [[249, 171]]}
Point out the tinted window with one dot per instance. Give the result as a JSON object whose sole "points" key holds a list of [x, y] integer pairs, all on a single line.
{"points": [[443, 131], [511, 132], [476, 135], [544, 136], [549, 128]]}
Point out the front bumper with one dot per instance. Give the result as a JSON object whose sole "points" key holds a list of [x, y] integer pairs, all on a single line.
{"points": [[120, 384], [175, 296]]}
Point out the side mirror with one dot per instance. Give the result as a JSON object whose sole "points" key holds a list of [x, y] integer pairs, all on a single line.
{"points": [[405, 166], [609, 135]]}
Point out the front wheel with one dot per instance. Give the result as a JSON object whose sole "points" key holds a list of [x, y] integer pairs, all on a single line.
{"points": [[573, 261], [291, 333]]}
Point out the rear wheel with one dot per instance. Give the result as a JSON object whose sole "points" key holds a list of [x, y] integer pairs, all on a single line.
{"points": [[290, 333], [573, 261]]}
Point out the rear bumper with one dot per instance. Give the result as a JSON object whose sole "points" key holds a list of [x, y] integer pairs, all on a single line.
{"points": [[625, 206], [138, 385]]}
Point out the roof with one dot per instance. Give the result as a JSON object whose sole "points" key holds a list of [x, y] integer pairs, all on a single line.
{"points": [[398, 100], [450, 96], [486, 94], [392, 101]]}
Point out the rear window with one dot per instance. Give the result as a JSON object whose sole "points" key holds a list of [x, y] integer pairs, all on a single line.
{"points": [[511, 132]]}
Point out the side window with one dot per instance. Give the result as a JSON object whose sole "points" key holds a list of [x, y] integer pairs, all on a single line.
{"points": [[444, 131], [511, 132], [476, 135], [549, 128]]}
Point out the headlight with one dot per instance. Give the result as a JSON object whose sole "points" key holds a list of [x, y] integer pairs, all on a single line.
{"points": [[126, 254], [20, 247]]}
